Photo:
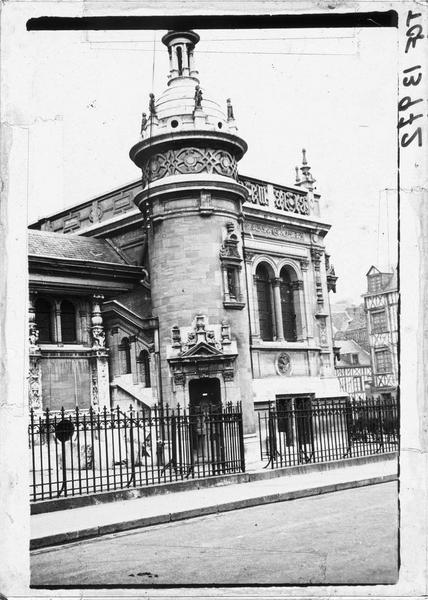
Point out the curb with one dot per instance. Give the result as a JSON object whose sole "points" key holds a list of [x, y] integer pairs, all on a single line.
{"points": [[197, 484], [93, 532]]}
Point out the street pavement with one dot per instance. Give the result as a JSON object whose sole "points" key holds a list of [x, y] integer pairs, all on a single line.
{"points": [[344, 537]]}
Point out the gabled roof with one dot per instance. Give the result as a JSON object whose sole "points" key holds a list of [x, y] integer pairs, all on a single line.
{"points": [[77, 247], [352, 347]]}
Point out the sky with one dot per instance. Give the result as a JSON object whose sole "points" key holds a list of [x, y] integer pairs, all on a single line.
{"points": [[331, 91]]}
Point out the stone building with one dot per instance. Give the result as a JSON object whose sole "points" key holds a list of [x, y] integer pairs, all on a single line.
{"points": [[381, 304], [195, 284]]}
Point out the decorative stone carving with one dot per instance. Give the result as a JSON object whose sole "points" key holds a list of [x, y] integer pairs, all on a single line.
{"points": [[316, 255], [291, 201], [191, 160], [284, 364], [228, 375], [95, 214], [97, 328], [35, 386], [229, 248], [297, 285], [322, 328], [274, 231], [304, 264], [257, 192], [176, 337], [225, 333], [33, 332], [94, 385], [179, 378]]}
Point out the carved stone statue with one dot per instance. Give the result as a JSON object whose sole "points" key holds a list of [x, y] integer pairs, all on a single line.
{"points": [[98, 337], [143, 123], [152, 107], [198, 97]]}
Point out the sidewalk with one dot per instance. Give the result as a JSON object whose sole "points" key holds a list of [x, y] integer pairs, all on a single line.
{"points": [[74, 524]]}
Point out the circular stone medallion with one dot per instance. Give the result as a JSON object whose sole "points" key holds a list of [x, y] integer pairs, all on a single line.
{"points": [[284, 364]]}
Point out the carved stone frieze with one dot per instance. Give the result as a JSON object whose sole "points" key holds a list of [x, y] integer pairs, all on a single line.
{"points": [[35, 385], [189, 161], [291, 202], [257, 192]]}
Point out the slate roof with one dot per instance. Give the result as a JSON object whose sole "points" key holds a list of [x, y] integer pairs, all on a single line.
{"points": [[59, 245], [352, 347]]}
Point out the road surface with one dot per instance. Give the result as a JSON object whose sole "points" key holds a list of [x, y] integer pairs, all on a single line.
{"points": [[347, 537]]}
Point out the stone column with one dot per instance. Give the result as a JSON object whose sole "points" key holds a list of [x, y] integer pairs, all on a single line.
{"points": [[255, 323], [226, 294], [273, 306], [100, 386], [276, 283], [299, 307], [307, 296], [57, 322]]}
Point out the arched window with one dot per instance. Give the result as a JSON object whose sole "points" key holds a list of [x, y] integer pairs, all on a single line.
{"points": [[264, 303], [144, 364], [125, 349], [68, 322], [287, 306], [44, 320]]}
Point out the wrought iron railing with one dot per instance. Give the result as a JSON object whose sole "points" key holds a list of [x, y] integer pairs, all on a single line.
{"points": [[311, 431], [75, 453]]}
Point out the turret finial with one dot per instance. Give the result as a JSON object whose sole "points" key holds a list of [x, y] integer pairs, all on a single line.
{"points": [[307, 178], [304, 161], [181, 45], [297, 175]]}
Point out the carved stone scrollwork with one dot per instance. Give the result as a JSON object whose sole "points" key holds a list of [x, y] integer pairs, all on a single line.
{"points": [[257, 192], [190, 160]]}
